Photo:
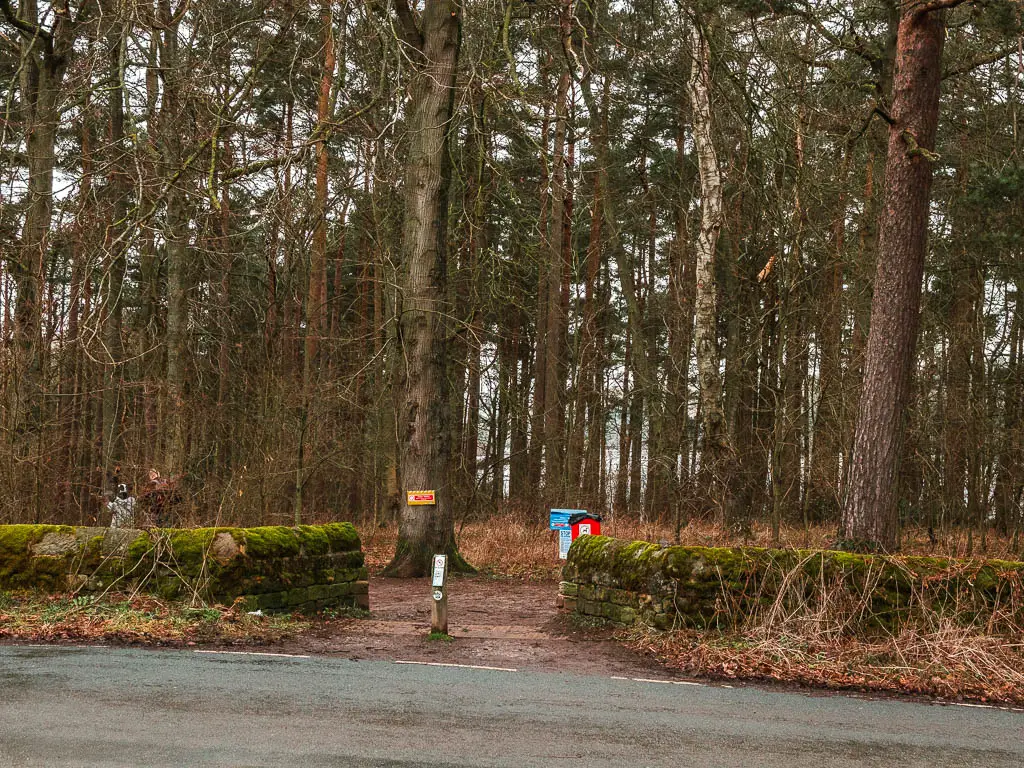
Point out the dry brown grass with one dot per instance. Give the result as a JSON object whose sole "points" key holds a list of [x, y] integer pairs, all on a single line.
{"points": [[950, 662], [135, 619], [510, 546], [821, 637]]}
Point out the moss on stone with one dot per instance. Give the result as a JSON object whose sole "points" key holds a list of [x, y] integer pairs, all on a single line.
{"points": [[271, 541], [312, 564], [16, 540], [703, 586], [314, 540], [342, 537]]}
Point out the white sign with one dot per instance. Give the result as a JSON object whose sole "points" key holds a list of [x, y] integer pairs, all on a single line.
{"points": [[438, 594], [584, 529], [439, 564], [564, 540]]}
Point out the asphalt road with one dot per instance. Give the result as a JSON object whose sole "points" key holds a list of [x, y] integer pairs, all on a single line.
{"points": [[83, 706]]}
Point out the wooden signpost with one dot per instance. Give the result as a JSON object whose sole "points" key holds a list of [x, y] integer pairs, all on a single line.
{"points": [[439, 604]]}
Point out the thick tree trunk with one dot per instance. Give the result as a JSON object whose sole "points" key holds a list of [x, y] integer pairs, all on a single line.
{"points": [[870, 515], [423, 361]]}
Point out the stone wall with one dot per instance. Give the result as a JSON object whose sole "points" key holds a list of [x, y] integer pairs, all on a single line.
{"points": [[664, 587], [274, 568]]}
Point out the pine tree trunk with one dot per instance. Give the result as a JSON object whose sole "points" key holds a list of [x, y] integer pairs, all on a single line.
{"points": [[589, 404], [540, 354], [316, 296], [870, 515], [554, 450]]}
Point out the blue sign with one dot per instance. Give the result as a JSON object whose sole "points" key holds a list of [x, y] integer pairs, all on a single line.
{"points": [[560, 518], [564, 542]]}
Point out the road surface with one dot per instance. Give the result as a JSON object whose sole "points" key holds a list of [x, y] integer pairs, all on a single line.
{"points": [[124, 707]]}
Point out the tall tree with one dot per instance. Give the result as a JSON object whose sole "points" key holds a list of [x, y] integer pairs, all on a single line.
{"points": [[422, 360], [717, 447], [870, 516], [45, 53]]}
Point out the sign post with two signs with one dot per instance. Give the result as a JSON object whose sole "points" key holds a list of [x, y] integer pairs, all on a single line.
{"points": [[438, 571], [439, 605]]}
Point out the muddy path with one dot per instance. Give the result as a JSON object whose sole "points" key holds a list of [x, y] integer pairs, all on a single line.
{"points": [[492, 622]]}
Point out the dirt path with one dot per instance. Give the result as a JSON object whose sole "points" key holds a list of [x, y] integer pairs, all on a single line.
{"points": [[496, 623]]}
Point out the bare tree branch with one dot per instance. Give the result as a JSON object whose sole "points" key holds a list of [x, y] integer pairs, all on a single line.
{"points": [[963, 69], [28, 29]]}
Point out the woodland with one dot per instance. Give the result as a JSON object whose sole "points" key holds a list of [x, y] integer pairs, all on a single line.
{"points": [[756, 263]]}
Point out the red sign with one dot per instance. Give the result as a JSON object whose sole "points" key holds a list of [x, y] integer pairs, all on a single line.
{"points": [[420, 498]]}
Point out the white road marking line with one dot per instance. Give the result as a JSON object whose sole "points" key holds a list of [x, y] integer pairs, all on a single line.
{"points": [[663, 682], [986, 706], [460, 666], [252, 653], [667, 682]]}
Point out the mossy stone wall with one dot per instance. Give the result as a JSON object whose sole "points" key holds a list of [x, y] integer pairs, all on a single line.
{"points": [[277, 568], [626, 582]]}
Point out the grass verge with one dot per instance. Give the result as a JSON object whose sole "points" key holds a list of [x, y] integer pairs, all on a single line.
{"points": [[138, 619]]}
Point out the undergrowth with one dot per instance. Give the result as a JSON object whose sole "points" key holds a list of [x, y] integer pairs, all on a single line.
{"points": [[949, 662], [141, 619], [820, 638], [523, 548]]}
